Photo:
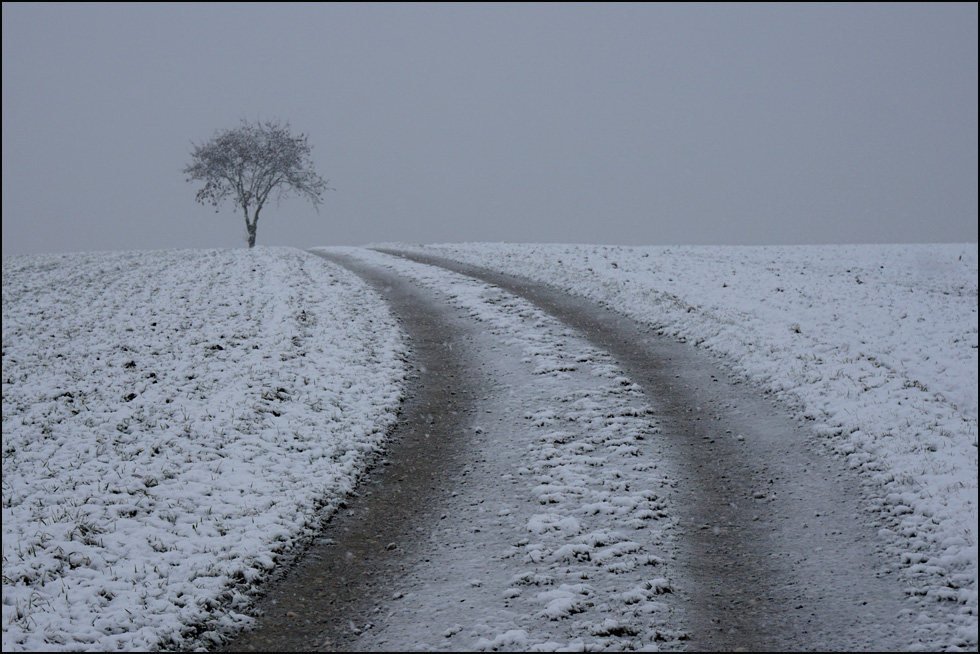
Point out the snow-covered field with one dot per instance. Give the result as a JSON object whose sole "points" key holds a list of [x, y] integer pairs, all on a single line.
{"points": [[172, 420]]}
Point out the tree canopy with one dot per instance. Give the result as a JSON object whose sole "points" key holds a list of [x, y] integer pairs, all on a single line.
{"points": [[251, 163]]}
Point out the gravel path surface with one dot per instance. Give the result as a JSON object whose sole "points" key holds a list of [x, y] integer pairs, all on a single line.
{"points": [[565, 478]]}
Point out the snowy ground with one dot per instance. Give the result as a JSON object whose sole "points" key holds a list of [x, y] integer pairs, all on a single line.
{"points": [[171, 423], [875, 345], [171, 420], [559, 537]]}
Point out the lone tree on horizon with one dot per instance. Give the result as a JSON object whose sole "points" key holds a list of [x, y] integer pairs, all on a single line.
{"points": [[251, 161]]}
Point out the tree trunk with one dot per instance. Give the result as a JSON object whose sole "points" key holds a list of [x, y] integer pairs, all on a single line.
{"points": [[251, 228]]}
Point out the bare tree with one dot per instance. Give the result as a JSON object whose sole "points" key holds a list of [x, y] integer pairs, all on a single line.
{"points": [[251, 162]]}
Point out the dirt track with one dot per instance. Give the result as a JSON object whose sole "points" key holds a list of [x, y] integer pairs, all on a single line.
{"points": [[773, 551], [341, 580]]}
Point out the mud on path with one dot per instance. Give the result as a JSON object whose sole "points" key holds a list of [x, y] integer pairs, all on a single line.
{"points": [[766, 543]]}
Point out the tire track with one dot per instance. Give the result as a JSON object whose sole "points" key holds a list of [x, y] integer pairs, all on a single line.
{"points": [[758, 541], [339, 582], [775, 548], [557, 537]]}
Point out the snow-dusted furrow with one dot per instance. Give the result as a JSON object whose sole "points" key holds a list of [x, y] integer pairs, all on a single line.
{"points": [[558, 533]]}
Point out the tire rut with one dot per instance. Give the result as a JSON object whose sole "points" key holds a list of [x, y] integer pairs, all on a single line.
{"points": [[341, 579], [775, 546]]}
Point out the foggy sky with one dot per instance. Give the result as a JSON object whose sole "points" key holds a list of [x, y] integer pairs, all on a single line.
{"points": [[614, 124]]}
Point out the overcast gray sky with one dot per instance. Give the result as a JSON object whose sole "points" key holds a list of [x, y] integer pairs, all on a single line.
{"points": [[617, 124]]}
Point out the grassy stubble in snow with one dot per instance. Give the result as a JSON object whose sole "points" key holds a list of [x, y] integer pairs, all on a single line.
{"points": [[172, 421]]}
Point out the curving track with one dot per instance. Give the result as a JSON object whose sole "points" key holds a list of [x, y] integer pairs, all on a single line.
{"points": [[564, 477]]}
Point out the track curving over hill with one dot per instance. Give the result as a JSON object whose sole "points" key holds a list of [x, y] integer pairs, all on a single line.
{"points": [[495, 520]]}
